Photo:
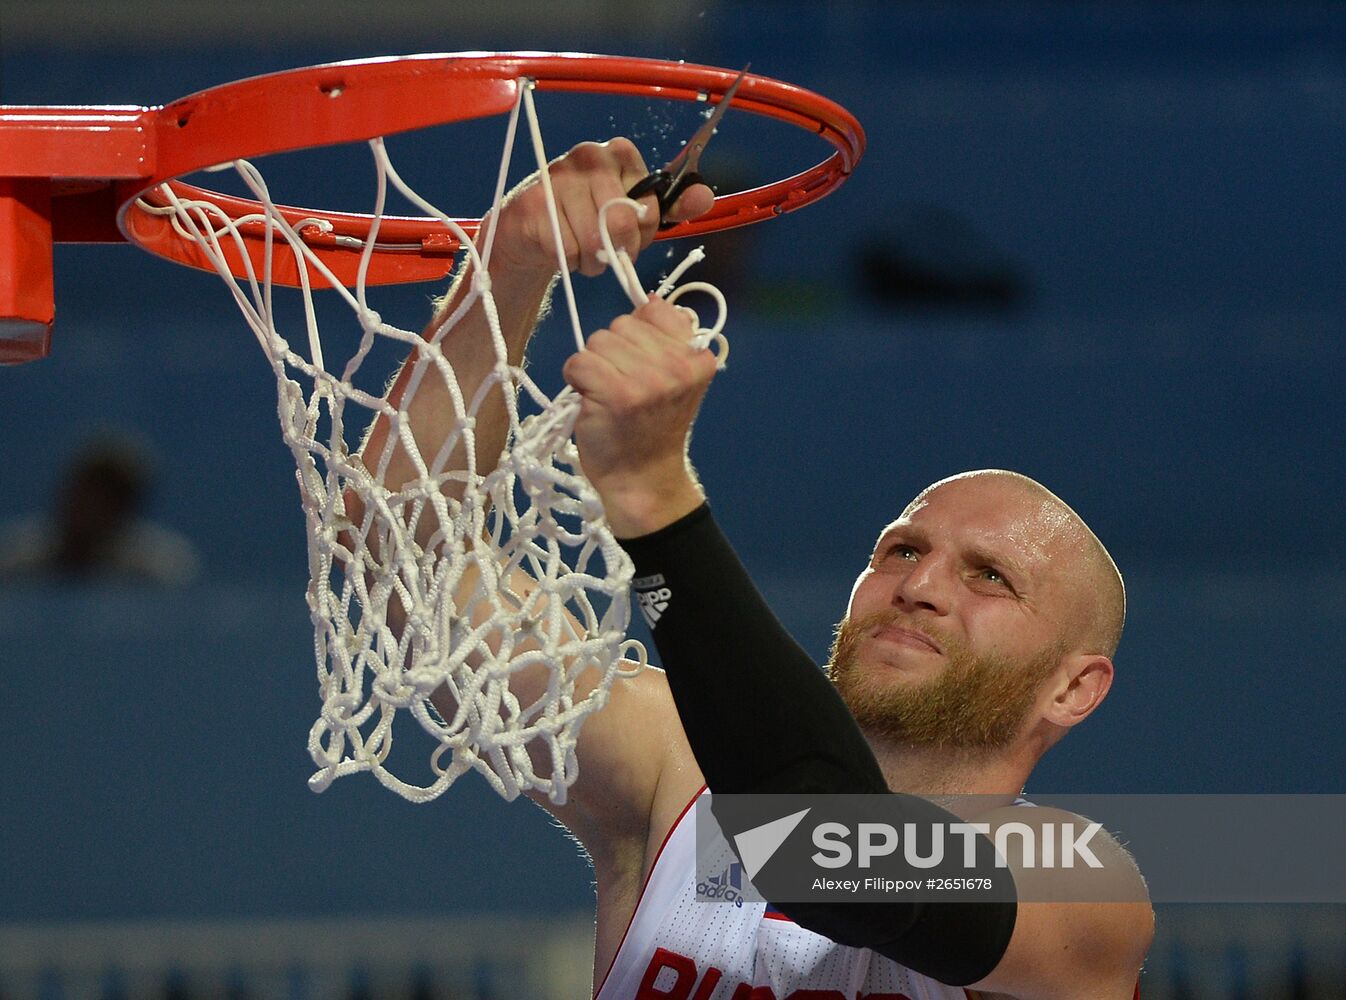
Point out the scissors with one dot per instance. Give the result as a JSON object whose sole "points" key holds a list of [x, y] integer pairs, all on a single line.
{"points": [[679, 173]]}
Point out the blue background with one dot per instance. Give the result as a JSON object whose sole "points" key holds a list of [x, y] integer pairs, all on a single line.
{"points": [[1164, 179]]}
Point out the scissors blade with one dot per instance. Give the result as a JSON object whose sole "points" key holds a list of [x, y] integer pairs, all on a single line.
{"points": [[690, 155]]}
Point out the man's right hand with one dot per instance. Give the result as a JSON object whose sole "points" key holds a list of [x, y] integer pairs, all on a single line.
{"points": [[583, 179], [642, 382], [523, 265]]}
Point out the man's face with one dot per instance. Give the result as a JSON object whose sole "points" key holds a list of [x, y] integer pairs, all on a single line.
{"points": [[958, 620]]}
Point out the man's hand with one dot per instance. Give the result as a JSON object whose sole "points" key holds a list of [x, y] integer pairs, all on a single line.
{"points": [[583, 179], [642, 383], [523, 266]]}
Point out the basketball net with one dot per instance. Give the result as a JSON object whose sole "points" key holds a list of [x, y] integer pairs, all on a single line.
{"points": [[459, 621]]}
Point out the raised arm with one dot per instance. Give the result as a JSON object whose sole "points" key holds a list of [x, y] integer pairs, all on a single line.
{"points": [[621, 747], [523, 269]]}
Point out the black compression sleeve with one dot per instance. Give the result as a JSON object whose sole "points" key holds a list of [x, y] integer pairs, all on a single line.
{"points": [[762, 718], [759, 714]]}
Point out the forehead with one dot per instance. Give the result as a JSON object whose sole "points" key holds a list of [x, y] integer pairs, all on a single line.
{"points": [[992, 514]]}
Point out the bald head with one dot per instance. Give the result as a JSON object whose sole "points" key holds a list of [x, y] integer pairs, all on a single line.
{"points": [[1043, 526]]}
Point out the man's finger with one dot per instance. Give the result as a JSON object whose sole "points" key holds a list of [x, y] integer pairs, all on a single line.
{"points": [[648, 223], [630, 345], [666, 318], [588, 372], [630, 232], [692, 203], [630, 164]]}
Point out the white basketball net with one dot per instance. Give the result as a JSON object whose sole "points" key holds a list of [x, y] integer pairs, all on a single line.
{"points": [[467, 628]]}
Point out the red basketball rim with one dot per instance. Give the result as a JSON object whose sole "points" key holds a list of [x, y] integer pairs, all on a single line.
{"points": [[363, 99]]}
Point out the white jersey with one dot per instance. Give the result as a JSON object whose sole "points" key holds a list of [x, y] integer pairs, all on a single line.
{"points": [[677, 948]]}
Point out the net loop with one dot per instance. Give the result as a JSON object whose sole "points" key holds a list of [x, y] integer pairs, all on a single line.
{"points": [[625, 272], [488, 606]]}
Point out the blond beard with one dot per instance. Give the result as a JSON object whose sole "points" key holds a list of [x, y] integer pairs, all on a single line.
{"points": [[976, 704]]}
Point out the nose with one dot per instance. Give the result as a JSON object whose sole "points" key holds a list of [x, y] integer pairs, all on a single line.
{"points": [[924, 588]]}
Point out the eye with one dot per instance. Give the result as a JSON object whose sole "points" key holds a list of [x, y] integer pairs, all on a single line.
{"points": [[902, 552], [992, 575]]}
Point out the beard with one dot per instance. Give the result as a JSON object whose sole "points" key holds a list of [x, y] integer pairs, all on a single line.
{"points": [[977, 703]]}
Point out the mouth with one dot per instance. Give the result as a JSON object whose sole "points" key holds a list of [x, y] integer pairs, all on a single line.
{"points": [[904, 636]]}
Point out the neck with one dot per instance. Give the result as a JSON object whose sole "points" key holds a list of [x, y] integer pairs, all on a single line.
{"points": [[945, 771]]}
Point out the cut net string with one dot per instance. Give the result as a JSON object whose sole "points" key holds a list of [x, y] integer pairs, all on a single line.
{"points": [[521, 573]]}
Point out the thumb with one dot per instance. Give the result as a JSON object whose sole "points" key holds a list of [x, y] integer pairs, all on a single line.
{"points": [[692, 203]]}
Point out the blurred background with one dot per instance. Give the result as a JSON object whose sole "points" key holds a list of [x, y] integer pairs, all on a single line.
{"points": [[1098, 243]]}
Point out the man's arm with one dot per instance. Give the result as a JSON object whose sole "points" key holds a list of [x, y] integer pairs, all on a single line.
{"points": [[621, 748], [1079, 932], [522, 271]]}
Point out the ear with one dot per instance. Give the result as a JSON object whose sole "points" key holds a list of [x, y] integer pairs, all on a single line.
{"points": [[1081, 685]]}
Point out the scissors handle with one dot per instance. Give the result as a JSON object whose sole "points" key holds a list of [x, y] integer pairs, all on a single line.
{"points": [[666, 189]]}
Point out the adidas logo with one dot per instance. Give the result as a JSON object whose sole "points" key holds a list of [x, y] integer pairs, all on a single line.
{"points": [[652, 596], [727, 887], [754, 847], [733, 875]]}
